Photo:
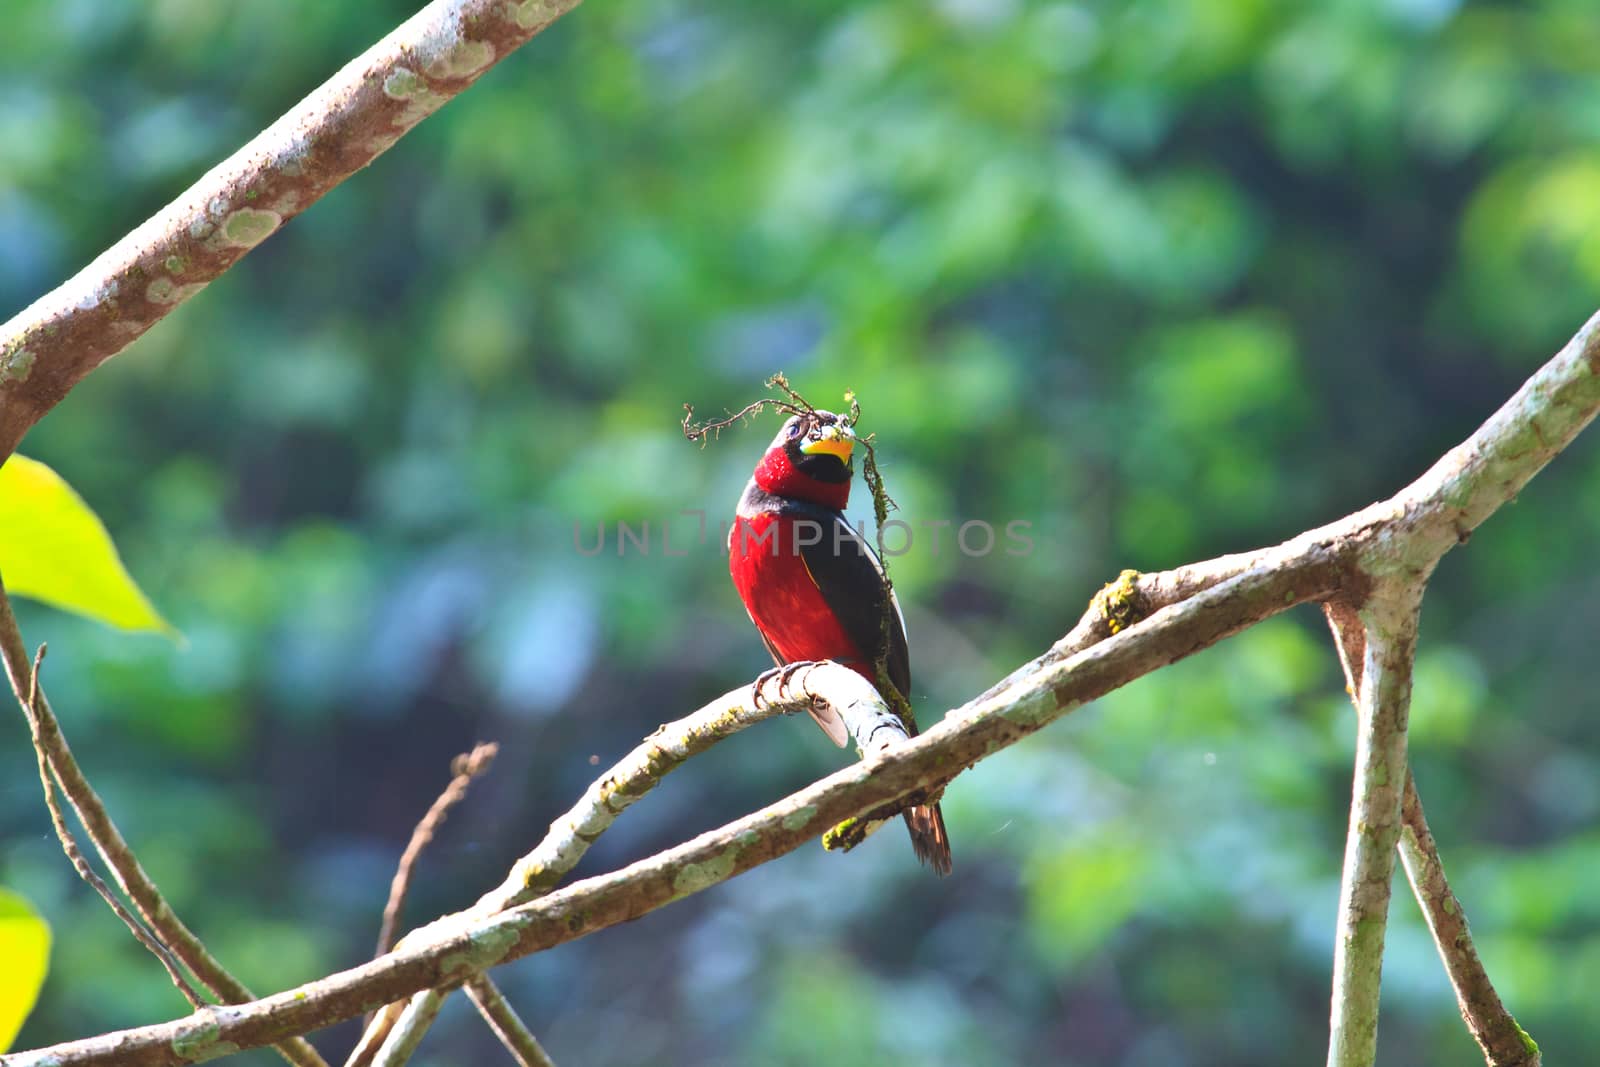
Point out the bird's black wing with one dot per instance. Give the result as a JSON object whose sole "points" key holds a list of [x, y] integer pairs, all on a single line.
{"points": [[851, 580]]}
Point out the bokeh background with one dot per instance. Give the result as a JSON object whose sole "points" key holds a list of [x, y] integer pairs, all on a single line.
{"points": [[1163, 279]]}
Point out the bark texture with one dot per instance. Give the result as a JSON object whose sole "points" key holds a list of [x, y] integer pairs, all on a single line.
{"points": [[354, 117]]}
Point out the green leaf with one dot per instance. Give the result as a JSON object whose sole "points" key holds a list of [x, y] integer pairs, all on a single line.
{"points": [[54, 548], [25, 948]]}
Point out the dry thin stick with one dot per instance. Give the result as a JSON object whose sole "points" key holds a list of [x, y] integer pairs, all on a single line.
{"points": [[703, 432], [75, 856], [1504, 1043], [503, 1020], [113, 849], [465, 767]]}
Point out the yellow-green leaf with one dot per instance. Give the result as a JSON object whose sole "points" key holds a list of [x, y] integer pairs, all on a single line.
{"points": [[25, 948], [54, 548]]}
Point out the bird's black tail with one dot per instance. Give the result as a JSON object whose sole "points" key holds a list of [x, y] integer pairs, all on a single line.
{"points": [[928, 836]]}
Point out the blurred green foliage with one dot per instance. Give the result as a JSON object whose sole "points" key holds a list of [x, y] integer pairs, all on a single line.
{"points": [[1162, 279]]}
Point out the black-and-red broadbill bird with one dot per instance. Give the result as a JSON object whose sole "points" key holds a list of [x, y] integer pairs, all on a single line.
{"points": [[812, 585]]}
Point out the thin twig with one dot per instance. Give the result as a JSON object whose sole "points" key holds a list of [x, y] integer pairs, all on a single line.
{"points": [[507, 1026], [113, 849], [1504, 1043], [75, 855], [882, 504], [465, 767], [703, 432]]}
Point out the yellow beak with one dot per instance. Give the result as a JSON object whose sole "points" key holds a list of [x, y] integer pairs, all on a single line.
{"points": [[834, 442]]}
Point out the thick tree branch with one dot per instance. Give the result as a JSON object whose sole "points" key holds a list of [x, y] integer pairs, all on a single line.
{"points": [[1441, 508], [108, 841], [1134, 596], [1383, 702], [1412, 529], [346, 123]]}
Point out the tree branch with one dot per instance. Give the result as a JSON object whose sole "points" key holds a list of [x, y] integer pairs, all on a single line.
{"points": [[342, 126], [507, 1026], [1470, 482], [407, 1034], [1504, 1043], [465, 768], [75, 855], [1418, 525], [1383, 703], [108, 841]]}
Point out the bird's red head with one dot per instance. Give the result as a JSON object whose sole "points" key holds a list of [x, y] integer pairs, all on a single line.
{"points": [[810, 460]]}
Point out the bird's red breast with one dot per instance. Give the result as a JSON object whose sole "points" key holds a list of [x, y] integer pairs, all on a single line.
{"points": [[781, 594]]}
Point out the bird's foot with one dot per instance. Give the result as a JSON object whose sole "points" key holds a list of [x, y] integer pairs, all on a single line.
{"points": [[784, 673]]}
